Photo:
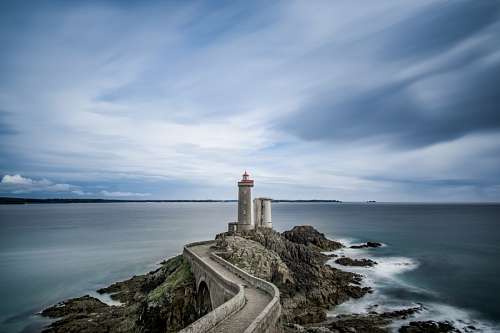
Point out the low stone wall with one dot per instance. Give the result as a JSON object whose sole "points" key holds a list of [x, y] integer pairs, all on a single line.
{"points": [[223, 311], [266, 322], [268, 319]]}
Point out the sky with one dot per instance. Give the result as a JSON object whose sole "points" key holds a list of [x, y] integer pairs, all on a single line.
{"points": [[355, 101]]}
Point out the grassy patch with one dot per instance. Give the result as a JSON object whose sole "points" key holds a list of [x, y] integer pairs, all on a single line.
{"points": [[181, 274]]}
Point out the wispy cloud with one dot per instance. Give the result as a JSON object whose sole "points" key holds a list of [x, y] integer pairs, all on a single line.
{"points": [[123, 194], [18, 184], [317, 99]]}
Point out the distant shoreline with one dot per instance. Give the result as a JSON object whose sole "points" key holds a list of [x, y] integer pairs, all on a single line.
{"points": [[22, 201]]}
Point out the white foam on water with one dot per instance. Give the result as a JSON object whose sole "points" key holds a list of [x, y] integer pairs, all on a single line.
{"points": [[386, 270], [464, 320], [376, 278], [386, 274], [347, 241], [106, 298], [375, 301]]}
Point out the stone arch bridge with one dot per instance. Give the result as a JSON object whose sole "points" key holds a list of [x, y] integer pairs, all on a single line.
{"points": [[230, 300]]}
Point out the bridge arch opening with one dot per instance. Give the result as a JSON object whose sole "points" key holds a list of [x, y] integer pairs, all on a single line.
{"points": [[203, 299]]}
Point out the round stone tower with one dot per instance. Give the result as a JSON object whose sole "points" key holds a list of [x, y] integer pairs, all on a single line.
{"points": [[262, 213], [266, 213], [245, 203]]}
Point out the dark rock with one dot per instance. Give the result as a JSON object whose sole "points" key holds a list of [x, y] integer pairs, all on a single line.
{"points": [[428, 327], [308, 236], [319, 330], [81, 305], [310, 315], [345, 261], [293, 328], [365, 245], [370, 323], [401, 314]]}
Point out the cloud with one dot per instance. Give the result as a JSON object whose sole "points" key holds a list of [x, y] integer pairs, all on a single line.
{"points": [[446, 67], [16, 180], [124, 194], [437, 28], [316, 100], [82, 193], [18, 184]]}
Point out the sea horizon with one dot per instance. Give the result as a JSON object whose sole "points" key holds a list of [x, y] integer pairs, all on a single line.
{"points": [[132, 238], [34, 200]]}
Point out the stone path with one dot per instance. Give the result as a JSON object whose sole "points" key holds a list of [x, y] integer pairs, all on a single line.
{"points": [[256, 299]]}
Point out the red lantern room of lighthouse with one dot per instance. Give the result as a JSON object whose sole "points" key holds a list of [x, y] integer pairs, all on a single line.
{"points": [[245, 180]]}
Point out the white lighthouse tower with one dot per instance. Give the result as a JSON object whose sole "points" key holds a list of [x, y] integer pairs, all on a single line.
{"points": [[245, 221]]}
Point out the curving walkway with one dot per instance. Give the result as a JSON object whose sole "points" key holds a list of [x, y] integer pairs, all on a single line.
{"points": [[256, 299]]}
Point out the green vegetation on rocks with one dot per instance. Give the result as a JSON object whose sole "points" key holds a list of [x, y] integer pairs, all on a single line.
{"points": [[163, 300], [178, 278]]}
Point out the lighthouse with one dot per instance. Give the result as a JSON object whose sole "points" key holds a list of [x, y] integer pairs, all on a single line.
{"points": [[246, 215], [245, 185]]}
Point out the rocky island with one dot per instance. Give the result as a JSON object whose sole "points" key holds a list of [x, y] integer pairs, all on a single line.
{"points": [[165, 300]]}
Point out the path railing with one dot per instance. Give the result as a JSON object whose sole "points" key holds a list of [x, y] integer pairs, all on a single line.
{"points": [[221, 312], [266, 321]]}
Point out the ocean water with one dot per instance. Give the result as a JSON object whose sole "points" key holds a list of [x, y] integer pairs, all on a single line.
{"points": [[445, 257]]}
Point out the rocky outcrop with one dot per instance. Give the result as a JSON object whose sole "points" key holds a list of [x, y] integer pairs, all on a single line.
{"points": [[345, 261], [88, 315], [308, 236], [164, 300], [160, 301], [366, 245], [307, 286], [255, 259], [84, 304], [372, 322], [429, 327]]}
